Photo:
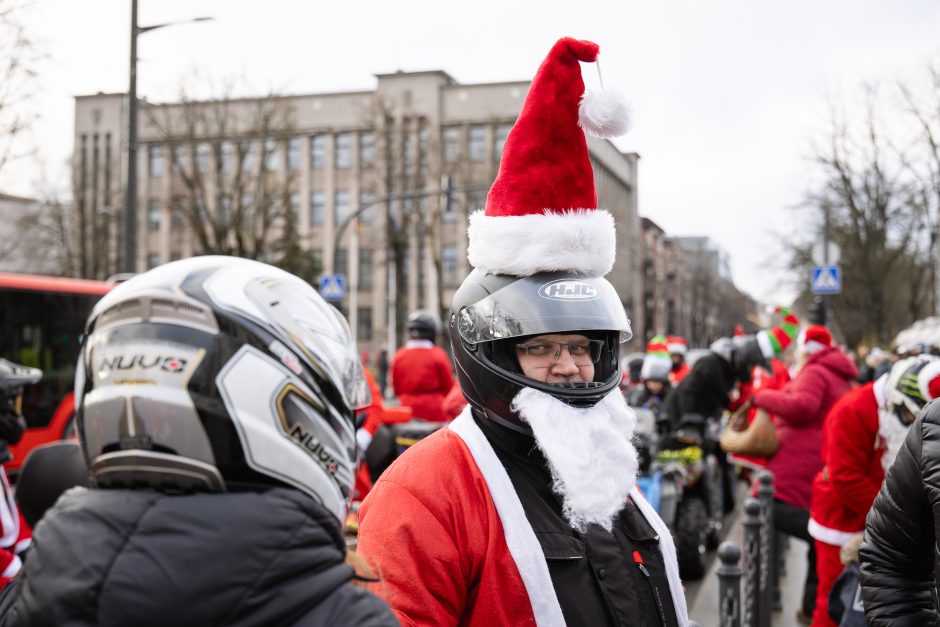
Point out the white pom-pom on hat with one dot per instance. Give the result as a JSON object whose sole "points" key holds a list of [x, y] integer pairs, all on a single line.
{"points": [[604, 113]]}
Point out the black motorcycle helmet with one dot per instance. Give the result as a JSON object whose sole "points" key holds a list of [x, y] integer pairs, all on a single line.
{"points": [[490, 314], [13, 378], [746, 354], [423, 324]]}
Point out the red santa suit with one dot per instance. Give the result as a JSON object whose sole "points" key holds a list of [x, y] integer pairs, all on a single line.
{"points": [[679, 374], [845, 488], [462, 551], [15, 534], [374, 417], [761, 379], [421, 378]]}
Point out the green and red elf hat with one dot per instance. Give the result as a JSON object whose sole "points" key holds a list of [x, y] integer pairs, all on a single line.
{"points": [[657, 363], [541, 213], [776, 340]]}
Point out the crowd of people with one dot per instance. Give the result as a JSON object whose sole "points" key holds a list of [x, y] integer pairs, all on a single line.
{"points": [[225, 419]]}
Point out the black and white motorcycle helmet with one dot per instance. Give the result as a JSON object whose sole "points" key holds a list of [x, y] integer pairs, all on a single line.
{"points": [[220, 374], [491, 313]]}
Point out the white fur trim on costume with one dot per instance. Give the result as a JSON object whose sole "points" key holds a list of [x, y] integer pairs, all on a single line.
{"points": [[12, 568], [879, 391], [829, 535], [520, 539], [524, 546], [812, 346], [668, 548], [929, 372], [603, 113], [581, 241]]}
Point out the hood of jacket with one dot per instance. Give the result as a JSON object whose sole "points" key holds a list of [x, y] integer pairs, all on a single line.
{"points": [[836, 361], [122, 557]]}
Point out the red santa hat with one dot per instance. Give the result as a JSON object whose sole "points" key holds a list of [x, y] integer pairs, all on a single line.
{"points": [[678, 345], [541, 213], [929, 380], [815, 338]]}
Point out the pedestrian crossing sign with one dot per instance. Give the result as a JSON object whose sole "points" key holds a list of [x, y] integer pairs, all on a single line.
{"points": [[826, 280], [333, 288]]}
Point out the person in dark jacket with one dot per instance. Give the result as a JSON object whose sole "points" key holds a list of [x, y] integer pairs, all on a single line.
{"points": [[215, 402], [897, 558], [655, 374]]}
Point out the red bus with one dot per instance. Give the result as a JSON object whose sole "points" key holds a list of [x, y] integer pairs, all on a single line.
{"points": [[42, 321]]}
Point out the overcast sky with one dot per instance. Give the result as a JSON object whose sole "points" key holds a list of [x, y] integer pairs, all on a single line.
{"points": [[726, 95]]}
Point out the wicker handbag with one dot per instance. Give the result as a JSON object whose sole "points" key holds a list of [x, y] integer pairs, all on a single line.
{"points": [[758, 439]]}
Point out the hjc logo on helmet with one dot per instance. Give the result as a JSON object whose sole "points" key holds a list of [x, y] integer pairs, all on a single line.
{"points": [[144, 362], [568, 289]]}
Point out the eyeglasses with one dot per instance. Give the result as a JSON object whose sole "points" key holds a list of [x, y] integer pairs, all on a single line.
{"points": [[583, 352]]}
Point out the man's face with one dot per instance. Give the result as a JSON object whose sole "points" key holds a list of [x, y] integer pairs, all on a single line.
{"points": [[677, 359], [539, 362]]}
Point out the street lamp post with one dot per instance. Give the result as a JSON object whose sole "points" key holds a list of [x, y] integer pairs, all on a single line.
{"points": [[130, 213]]}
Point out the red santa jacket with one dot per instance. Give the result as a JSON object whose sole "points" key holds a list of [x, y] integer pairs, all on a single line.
{"points": [[15, 534], [799, 410], [446, 532], [846, 487], [421, 378], [679, 374], [761, 379]]}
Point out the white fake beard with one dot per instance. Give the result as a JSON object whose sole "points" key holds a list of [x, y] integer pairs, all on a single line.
{"points": [[893, 433], [589, 450]]}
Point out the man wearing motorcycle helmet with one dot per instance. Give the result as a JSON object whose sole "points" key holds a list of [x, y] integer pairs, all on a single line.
{"points": [[655, 375], [215, 402], [524, 509], [14, 531], [421, 375]]}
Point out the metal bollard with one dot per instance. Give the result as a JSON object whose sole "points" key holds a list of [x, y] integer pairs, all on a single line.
{"points": [[780, 546], [729, 585], [752, 525], [765, 494]]}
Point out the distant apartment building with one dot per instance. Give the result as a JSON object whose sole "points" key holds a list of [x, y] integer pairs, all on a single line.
{"points": [[392, 148]]}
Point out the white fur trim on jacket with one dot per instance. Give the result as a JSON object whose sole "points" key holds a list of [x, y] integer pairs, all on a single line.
{"points": [[579, 241], [833, 537], [524, 546]]}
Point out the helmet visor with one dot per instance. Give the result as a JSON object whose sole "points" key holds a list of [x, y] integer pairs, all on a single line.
{"points": [[543, 304], [318, 330]]}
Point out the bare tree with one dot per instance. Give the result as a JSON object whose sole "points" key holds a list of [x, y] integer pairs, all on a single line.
{"points": [[874, 211], [230, 185], [18, 60]]}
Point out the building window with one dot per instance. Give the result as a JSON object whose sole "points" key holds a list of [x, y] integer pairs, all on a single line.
{"points": [[154, 213], [224, 208], [317, 208], [368, 215], [424, 138], [365, 267], [247, 151], [449, 266], [318, 152], [270, 154], [364, 324], [343, 150], [451, 144], [316, 261], [366, 149], [153, 260], [176, 216], [341, 205], [502, 132], [342, 262], [293, 154], [155, 160], [203, 155], [476, 148]]}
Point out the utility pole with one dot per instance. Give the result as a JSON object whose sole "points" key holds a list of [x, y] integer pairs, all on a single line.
{"points": [[129, 260]]}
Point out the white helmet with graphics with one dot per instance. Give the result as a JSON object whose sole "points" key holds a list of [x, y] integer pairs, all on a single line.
{"points": [[219, 373]]}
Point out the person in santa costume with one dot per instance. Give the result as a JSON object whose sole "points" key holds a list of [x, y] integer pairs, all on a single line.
{"points": [[525, 511], [799, 410], [15, 534], [861, 438], [421, 375], [678, 347]]}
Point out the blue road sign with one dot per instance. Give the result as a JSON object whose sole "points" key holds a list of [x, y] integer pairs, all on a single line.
{"points": [[333, 287], [826, 280]]}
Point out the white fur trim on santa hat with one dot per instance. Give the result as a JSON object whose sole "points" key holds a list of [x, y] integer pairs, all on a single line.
{"points": [[927, 374], [581, 241]]}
